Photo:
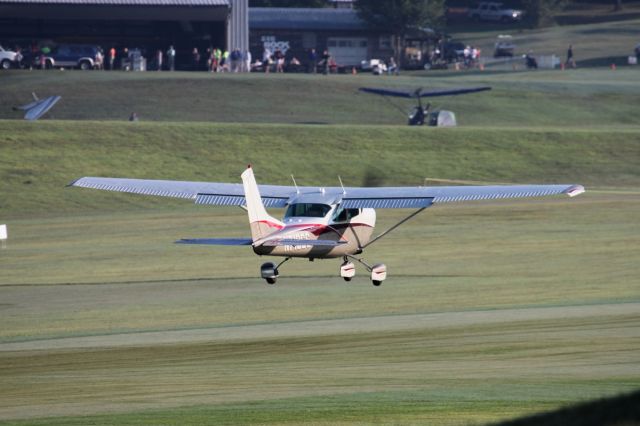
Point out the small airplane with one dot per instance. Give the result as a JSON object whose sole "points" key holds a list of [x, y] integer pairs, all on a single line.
{"points": [[420, 113], [319, 222], [38, 107]]}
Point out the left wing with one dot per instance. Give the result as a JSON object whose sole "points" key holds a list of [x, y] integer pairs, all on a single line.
{"points": [[217, 241], [231, 194]]}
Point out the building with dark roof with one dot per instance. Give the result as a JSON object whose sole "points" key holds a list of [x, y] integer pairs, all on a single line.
{"points": [[295, 31], [152, 24]]}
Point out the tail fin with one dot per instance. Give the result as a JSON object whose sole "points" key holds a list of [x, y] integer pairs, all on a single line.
{"points": [[261, 223]]}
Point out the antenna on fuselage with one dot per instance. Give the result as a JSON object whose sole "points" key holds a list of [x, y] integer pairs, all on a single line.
{"points": [[342, 185], [295, 184]]}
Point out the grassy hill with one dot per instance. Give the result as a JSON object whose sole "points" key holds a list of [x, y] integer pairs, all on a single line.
{"points": [[600, 35], [39, 159], [584, 98]]}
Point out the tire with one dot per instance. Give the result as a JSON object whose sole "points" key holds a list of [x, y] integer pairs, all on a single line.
{"points": [[5, 64], [270, 280], [84, 65], [347, 279], [376, 283]]}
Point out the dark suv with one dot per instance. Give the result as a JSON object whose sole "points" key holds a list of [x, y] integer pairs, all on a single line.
{"points": [[72, 56]]}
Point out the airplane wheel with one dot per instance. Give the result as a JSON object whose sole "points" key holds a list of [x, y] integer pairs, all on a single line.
{"points": [[347, 279], [376, 283], [270, 280]]}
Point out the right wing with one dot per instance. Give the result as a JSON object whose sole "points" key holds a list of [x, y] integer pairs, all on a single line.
{"points": [[419, 93]]}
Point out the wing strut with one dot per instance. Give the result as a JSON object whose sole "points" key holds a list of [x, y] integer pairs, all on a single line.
{"points": [[394, 226]]}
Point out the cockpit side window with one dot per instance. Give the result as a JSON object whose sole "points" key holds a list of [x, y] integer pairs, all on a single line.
{"points": [[345, 214], [307, 210]]}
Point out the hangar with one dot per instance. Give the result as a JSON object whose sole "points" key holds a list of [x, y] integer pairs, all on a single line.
{"points": [[128, 23], [296, 30]]}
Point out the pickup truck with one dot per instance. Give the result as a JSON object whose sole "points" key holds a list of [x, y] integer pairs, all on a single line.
{"points": [[8, 58], [491, 11]]}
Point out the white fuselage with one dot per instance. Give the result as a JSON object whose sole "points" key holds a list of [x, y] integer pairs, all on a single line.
{"points": [[308, 221]]}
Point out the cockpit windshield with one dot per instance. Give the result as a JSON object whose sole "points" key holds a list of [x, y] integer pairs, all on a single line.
{"points": [[307, 210]]}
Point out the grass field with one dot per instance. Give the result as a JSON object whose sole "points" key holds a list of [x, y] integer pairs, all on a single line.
{"points": [[578, 98], [491, 310]]}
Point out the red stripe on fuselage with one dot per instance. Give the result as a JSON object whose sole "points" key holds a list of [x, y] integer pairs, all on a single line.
{"points": [[271, 224]]}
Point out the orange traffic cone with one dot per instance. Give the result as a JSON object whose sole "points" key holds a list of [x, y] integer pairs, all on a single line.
{"points": [[613, 66]]}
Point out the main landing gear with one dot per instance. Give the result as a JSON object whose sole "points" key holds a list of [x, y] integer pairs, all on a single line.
{"points": [[269, 271], [348, 270]]}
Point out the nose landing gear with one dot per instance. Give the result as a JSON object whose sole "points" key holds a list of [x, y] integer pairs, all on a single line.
{"points": [[269, 271]]}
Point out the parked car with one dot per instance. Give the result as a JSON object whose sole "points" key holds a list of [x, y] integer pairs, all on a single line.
{"points": [[453, 51], [491, 11], [504, 46], [73, 56], [8, 58]]}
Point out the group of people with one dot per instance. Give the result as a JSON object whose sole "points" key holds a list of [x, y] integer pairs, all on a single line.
{"points": [[217, 60], [471, 56], [212, 59], [277, 61]]}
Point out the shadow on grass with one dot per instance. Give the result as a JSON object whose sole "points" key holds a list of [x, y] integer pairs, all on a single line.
{"points": [[204, 279], [614, 411]]}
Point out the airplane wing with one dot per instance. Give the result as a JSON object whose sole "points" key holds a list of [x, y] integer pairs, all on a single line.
{"points": [[231, 194], [38, 108], [217, 241], [422, 94]]}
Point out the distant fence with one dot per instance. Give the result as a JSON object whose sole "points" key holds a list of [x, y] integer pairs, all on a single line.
{"points": [[518, 62]]}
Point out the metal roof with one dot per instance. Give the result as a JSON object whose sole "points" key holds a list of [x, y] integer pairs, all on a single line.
{"points": [[123, 2], [304, 19]]}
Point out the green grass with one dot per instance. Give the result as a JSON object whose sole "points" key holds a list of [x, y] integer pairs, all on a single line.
{"points": [[600, 36], [584, 98], [491, 310], [39, 159]]}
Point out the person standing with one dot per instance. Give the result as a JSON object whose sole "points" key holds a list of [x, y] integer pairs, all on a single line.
{"points": [[112, 57], [171, 57], [313, 61], [195, 59], [217, 56], [325, 61], [570, 61], [279, 58], [246, 59], [159, 59], [225, 66], [266, 59]]}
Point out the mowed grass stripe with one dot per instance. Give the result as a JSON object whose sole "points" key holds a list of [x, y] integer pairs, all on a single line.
{"points": [[534, 354]]}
